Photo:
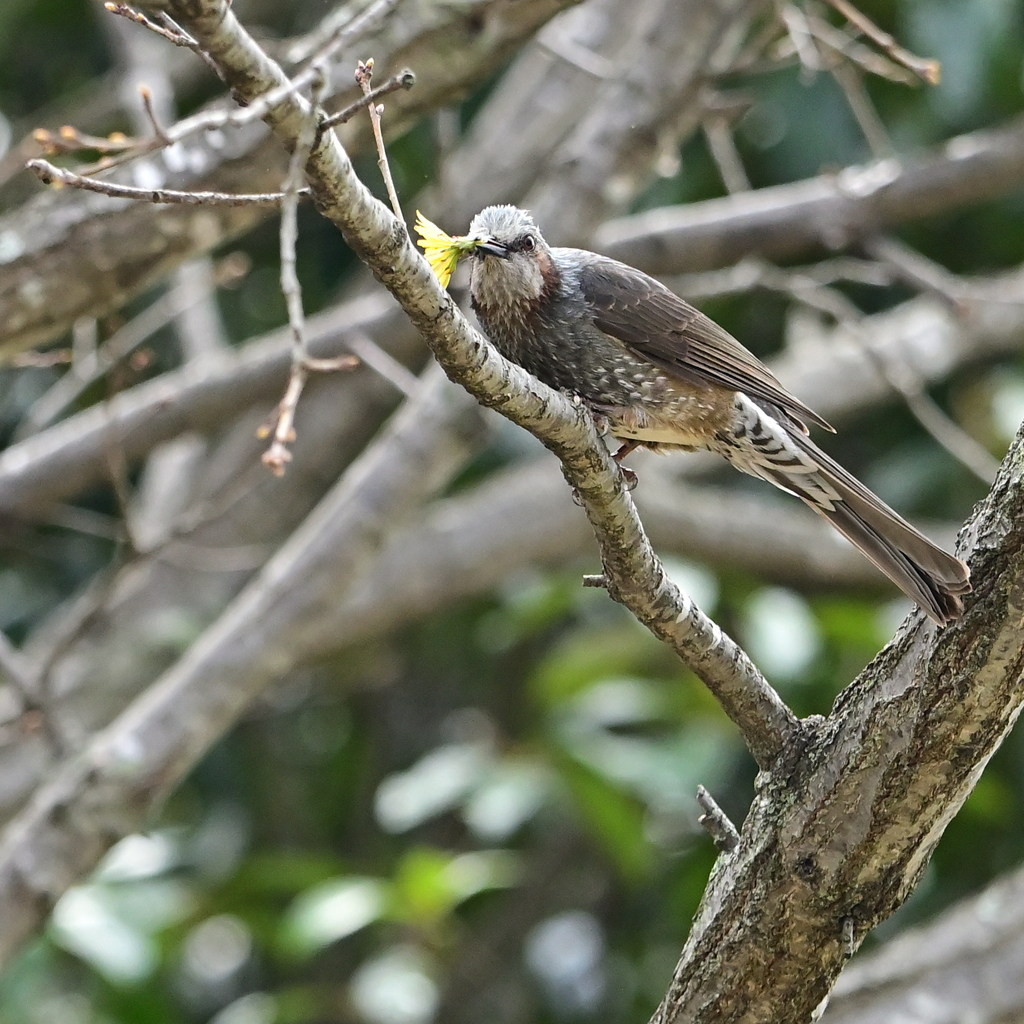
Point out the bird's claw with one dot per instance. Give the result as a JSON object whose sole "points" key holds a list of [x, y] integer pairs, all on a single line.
{"points": [[629, 478]]}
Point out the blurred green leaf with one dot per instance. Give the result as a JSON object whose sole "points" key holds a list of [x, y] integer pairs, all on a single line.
{"points": [[332, 911], [615, 819]]}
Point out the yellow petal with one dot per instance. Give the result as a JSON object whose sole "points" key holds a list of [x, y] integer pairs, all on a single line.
{"points": [[441, 249]]}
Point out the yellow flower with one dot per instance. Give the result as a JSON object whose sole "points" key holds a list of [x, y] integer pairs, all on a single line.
{"points": [[441, 249]]}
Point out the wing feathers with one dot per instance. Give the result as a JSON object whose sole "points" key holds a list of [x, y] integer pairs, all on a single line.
{"points": [[656, 324]]}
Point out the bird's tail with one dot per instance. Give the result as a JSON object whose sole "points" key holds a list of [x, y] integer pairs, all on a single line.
{"points": [[924, 572]]}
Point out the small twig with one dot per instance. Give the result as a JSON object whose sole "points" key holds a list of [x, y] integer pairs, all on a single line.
{"points": [[751, 273], [599, 581], [753, 52], [925, 68], [918, 271], [717, 825], [846, 46], [852, 83], [50, 174], [403, 80], [53, 402], [278, 455], [68, 139], [169, 30], [364, 72], [28, 684], [725, 154], [560, 44], [328, 38], [370, 353], [117, 467], [801, 37], [177, 37], [146, 96], [965, 449], [906, 381], [15, 667], [42, 359], [809, 286]]}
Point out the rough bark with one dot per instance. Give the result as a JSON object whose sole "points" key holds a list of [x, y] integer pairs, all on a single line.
{"points": [[966, 965], [844, 834]]}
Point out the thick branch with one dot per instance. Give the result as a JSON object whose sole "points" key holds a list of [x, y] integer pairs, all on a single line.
{"points": [[831, 212], [846, 835], [967, 964]]}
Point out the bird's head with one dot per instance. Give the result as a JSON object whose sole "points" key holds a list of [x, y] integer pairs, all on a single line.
{"points": [[512, 264]]}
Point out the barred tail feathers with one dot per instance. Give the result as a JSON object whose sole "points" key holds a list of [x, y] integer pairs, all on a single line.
{"points": [[764, 447]]}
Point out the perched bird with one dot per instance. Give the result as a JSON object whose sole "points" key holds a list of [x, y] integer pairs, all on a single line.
{"points": [[662, 375]]}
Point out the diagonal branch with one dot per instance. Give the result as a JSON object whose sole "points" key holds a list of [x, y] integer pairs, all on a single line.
{"points": [[829, 212], [633, 573]]}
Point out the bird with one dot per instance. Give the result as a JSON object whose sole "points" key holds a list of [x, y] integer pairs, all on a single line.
{"points": [[662, 375]]}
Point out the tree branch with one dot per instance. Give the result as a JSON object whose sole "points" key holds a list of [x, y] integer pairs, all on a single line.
{"points": [[147, 750], [827, 213], [967, 964], [847, 834], [67, 255]]}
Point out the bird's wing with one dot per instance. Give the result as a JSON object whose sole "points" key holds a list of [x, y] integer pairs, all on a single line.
{"points": [[656, 324]]}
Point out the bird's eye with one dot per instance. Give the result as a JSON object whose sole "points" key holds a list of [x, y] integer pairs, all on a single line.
{"points": [[528, 243]]}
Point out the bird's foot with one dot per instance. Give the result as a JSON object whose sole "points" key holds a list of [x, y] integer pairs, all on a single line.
{"points": [[601, 423], [629, 478]]}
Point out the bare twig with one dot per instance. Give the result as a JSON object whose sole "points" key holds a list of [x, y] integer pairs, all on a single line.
{"points": [[844, 45], [330, 35], [146, 96], [918, 271], [753, 273], [725, 154], [852, 84], [903, 379], [370, 353], [57, 357], [277, 455], [51, 174], [965, 449], [809, 286], [364, 72], [14, 665], [561, 44], [68, 139], [925, 68], [716, 823], [801, 37], [168, 30], [403, 80], [52, 403]]}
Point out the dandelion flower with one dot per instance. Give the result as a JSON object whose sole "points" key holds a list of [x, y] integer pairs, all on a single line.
{"points": [[441, 249]]}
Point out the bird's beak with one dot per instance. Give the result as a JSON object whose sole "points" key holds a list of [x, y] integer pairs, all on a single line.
{"points": [[489, 247]]}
